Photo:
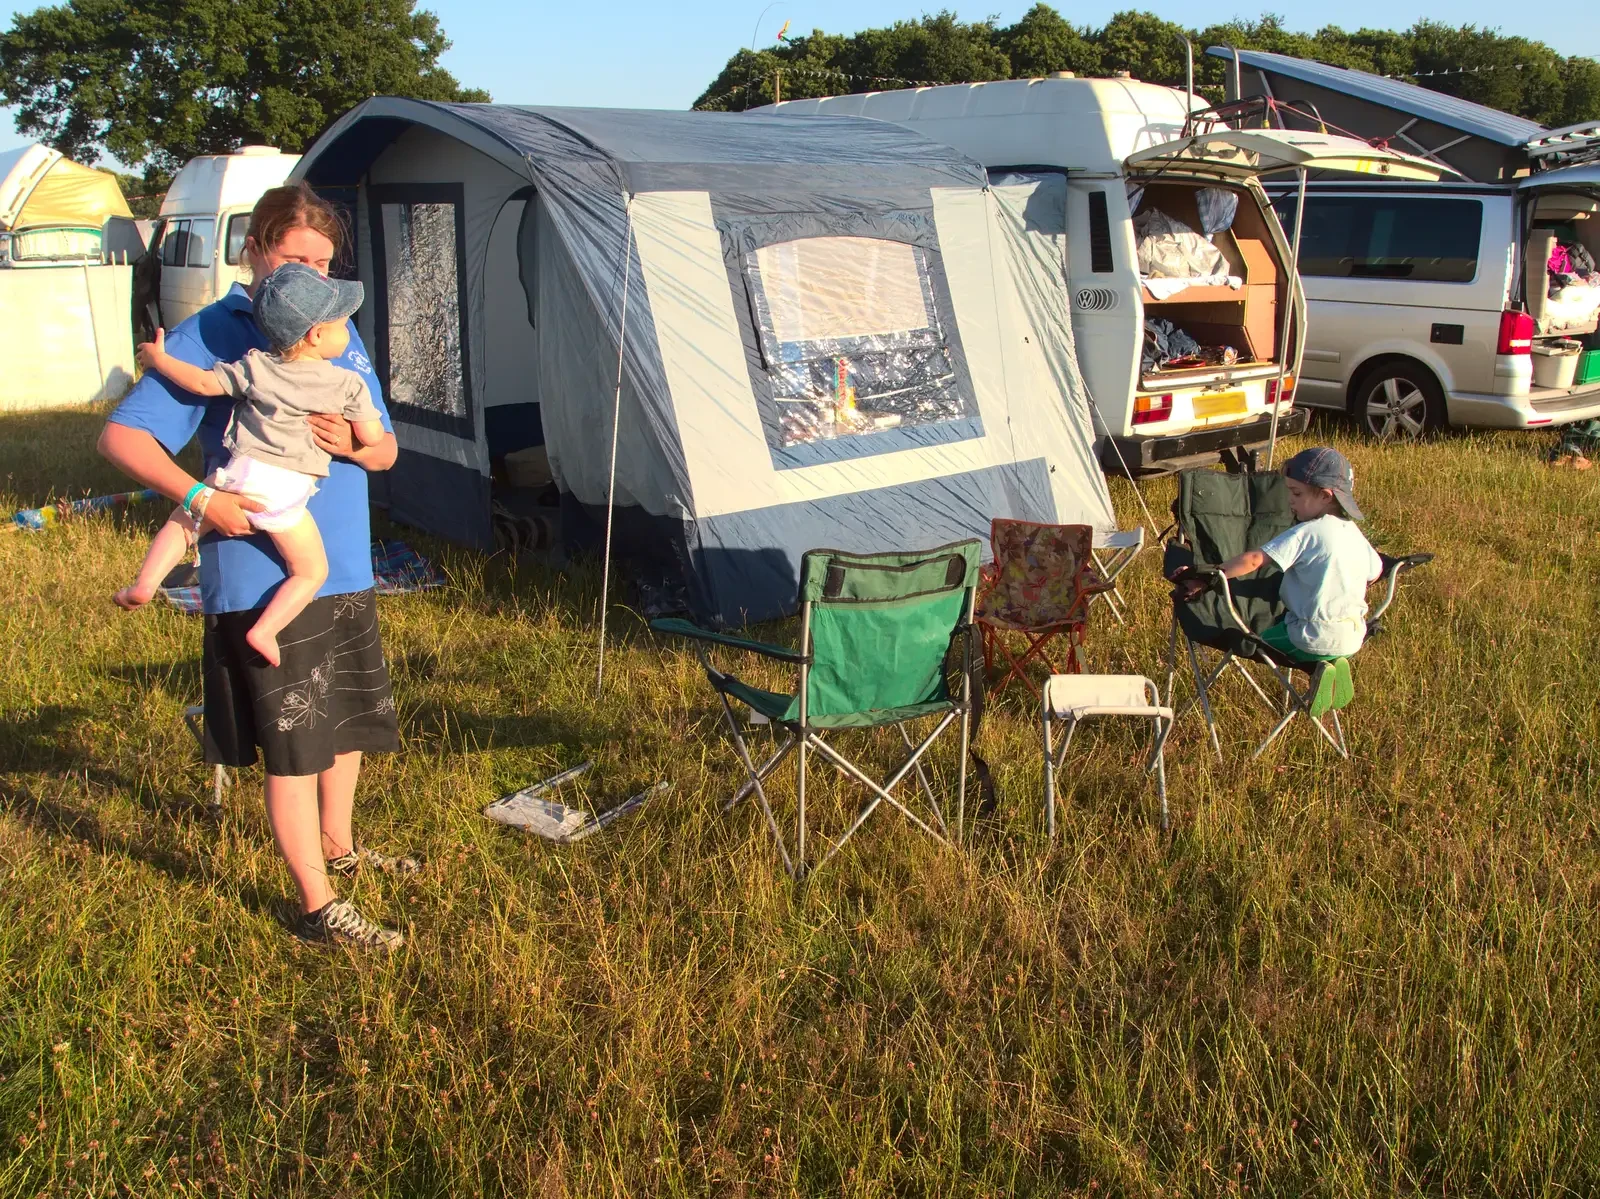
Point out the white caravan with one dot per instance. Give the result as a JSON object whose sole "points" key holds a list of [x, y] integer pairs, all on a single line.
{"points": [[200, 236], [1167, 229]]}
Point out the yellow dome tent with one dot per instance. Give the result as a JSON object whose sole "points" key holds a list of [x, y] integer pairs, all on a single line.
{"points": [[39, 187], [57, 297]]}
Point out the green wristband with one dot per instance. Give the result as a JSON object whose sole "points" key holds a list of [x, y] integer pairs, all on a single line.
{"points": [[189, 497]]}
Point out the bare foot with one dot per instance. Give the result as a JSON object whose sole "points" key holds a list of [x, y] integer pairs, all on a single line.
{"points": [[1579, 462], [133, 597], [264, 644]]}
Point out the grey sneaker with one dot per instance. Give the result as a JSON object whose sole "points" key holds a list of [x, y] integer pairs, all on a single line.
{"points": [[339, 922], [346, 865]]}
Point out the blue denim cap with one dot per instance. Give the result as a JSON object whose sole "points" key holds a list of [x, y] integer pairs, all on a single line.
{"points": [[1323, 466], [294, 298]]}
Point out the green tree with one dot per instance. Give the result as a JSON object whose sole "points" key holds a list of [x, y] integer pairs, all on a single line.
{"points": [[144, 193], [1511, 73], [1042, 42], [934, 49], [1145, 46], [156, 82]]}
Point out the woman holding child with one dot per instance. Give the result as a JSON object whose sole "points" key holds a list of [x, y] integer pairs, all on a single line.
{"points": [[327, 700]]}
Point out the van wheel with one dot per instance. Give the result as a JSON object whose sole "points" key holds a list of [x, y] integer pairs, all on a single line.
{"points": [[1399, 402]]}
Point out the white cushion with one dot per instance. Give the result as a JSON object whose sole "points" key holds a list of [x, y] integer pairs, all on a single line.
{"points": [[1107, 694]]}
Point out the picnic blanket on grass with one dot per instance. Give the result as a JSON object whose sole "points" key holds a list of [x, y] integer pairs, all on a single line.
{"points": [[396, 570]]}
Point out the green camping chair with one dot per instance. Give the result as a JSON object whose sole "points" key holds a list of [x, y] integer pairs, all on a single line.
{"points": [[1217, 517], [876, 635]]}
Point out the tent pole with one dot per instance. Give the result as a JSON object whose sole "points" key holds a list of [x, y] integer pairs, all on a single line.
{"points": [[1289, 318], [94, 329], [616, 420]]}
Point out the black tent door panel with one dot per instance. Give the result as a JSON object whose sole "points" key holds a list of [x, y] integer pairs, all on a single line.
{"points": [[440, 498]]}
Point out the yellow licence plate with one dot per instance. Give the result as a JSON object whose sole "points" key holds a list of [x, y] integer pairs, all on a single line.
{"points": [[1219, 403]]}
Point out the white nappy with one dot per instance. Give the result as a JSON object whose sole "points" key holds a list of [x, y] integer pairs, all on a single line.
{"points": [[284, 492]]}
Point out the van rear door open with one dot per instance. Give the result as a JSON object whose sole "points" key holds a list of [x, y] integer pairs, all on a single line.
{"points": [[1258, 314], [1560, 205], [1234, 155]]}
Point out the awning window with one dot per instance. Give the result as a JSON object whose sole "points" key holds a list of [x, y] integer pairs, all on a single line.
{"points": [[850, 337]]}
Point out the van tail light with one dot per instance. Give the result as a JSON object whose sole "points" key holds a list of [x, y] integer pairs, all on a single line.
{"points": [[1149, 410], [1516, 333], [1288, 391]]}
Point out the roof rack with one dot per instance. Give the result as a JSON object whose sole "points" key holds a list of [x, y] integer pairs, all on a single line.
{"points": [[1565, 146]]}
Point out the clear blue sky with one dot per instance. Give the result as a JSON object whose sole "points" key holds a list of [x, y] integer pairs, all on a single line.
{"points": [[627, 53]]}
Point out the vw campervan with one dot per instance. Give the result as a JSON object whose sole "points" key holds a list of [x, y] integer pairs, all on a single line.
{"points": [[1431, 304], [1144, 177], [200, 235]]}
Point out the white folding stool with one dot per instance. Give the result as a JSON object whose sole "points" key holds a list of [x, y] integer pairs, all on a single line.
{"points": [[1074, 697]]}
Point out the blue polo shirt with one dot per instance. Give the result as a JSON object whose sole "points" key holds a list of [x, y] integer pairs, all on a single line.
{"points": [[239, 573]]}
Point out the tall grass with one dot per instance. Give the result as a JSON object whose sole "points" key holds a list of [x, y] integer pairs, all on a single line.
{"points": [[1374, 977]]}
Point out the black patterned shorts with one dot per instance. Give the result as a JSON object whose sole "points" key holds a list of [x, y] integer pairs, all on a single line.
{"points": [[330, 695]]}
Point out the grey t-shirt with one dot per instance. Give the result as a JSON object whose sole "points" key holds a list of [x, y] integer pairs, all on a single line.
{"points": [[272, 400]]}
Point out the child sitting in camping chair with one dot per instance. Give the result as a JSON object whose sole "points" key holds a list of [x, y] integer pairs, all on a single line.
{"points": [[1327, 567]]}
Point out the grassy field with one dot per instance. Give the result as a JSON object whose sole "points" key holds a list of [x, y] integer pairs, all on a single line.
{"points": [[1378, 977]]}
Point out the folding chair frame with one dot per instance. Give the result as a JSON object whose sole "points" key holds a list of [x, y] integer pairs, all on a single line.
{"points": [[1038, 638], [803, 739], [994, 646], [192, 716], [1111, 560]]}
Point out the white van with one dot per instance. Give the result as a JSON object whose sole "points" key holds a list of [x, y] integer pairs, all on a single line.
{"points": [[1132, 154], [201, 231]]}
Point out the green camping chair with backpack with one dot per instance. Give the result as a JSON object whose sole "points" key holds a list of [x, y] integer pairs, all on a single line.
{"points": [[1217, 516], [885, 642]]}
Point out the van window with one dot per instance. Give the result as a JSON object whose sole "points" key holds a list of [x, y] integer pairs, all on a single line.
{"points": [[201, 235], [1428, 239], [238, 228], [175, 244], [851, 338]]}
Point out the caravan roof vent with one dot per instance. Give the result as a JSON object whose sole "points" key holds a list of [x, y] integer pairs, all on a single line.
{"points": [[258, 151], [1063, 74]]}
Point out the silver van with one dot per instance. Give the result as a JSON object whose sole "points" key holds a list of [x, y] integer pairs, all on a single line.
{"points": [[198, 244], [1425, 303], [1428, 304]]}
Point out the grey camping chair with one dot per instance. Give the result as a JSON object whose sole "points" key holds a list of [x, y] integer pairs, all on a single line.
{"points": [[1217, 517]]}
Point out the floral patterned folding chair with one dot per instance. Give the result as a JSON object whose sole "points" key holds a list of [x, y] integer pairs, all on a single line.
{"points": [[1038, 588]]}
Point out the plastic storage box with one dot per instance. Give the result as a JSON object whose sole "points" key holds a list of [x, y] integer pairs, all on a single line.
{"points": [[1555, 363], [1588, 368]]}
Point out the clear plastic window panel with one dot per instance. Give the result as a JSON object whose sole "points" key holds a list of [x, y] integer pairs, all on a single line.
{"points": [[851, 338], [48, 244], [424, 302]]}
